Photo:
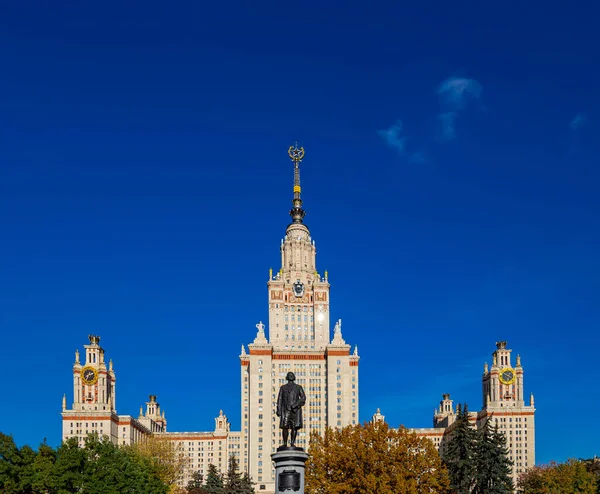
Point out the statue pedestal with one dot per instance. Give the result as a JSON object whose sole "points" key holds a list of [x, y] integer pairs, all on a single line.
{"points": [[289, 470]]}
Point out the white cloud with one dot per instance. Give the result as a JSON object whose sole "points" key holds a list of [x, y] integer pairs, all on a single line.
{"points": [[577, 121], [394, 137], [457, 92]]}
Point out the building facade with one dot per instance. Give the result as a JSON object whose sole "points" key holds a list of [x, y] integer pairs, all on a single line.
{"points": [[299, 341], [503, 403]]}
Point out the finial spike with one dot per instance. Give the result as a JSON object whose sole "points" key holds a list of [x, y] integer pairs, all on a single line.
{"points": [[297, 154]]}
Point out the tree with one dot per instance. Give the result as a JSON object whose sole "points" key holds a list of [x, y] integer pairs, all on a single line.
{"points": [[372, 458], [196, 485], [110, 469], [493, 468], [169, 462], [97, 468], [459, 455], [214, 481], [11, 465], [567, 478], [592, 465], [67, 474], [235, 482], [42, 469]]}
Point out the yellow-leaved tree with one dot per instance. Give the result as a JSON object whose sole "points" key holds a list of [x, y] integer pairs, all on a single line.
{"points": [[573, 476], [168, 460], [373, 459]]}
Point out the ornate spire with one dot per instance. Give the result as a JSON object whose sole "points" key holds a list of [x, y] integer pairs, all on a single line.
{"points": [[297, 154]]}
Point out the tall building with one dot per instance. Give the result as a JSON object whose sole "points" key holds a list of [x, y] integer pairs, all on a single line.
{"points": [[299, 341], [503, 403], [503, 400]]}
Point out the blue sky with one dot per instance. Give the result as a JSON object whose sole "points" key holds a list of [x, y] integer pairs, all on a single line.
{"points": [[451, 184]]}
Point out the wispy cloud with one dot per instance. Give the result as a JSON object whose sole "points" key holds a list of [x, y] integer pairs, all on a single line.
{"points": [[394, 137], [418, 157], [456, 94], [447, 122], [577, 121]]}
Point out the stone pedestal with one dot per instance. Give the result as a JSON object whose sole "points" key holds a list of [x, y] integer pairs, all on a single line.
{"points": [[289, 470]]}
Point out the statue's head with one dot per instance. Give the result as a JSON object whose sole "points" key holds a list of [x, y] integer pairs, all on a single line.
{"points": [[290, 376]]}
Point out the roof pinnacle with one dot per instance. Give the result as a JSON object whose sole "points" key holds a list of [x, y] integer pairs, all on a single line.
{"points": [[297, 154]]}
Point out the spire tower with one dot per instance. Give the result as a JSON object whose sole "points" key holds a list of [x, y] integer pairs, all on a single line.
{"points": [[297, 154]]}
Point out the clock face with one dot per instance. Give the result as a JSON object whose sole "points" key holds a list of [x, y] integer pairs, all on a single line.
{"points": [[89, 375], [507, 376], [298, 288]]}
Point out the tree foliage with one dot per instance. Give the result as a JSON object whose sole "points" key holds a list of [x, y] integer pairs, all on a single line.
{"points": [[97, 468], [168, 461], [196, 485], [573, 476], [460, 453], [373, 459], [477, 460], [214, 481], [235, 482], [492, 465]]}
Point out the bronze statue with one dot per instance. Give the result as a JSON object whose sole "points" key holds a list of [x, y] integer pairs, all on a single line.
{"points": [[290, 401]]}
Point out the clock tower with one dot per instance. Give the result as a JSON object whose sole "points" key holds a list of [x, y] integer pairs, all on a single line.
{"points": [[93, 381], [504, 404]]}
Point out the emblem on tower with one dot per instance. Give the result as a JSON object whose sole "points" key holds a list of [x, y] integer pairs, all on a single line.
{"points": [[296, 153], [298, 288]]}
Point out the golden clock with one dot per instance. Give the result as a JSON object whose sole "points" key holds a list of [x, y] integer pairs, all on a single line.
{"points": [[507, 376], [89, 375]]}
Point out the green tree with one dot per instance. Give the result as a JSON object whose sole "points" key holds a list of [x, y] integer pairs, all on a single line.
{"points": [[97, 468], [493, 468], [373, 459], [196, 485], [460, 455], [571, 477], [67, 474], [247, 484], [235, 482], [109, 469], [42, 469], [11, 465], [214, 481]]}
